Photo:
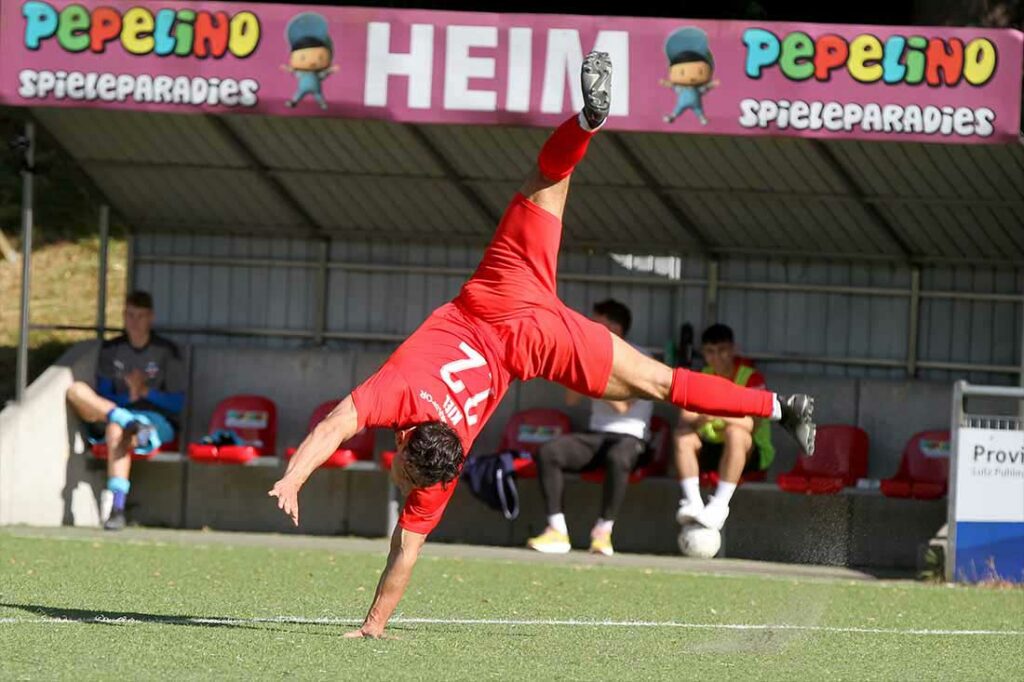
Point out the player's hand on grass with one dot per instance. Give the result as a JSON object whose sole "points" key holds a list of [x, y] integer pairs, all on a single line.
{"points": [[366, 632], [287, 493]]}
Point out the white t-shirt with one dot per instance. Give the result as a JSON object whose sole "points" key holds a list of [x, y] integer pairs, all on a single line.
{"points": [[633, 422]]}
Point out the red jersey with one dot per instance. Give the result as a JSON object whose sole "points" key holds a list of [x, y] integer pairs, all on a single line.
{"points": [[447, 371], [506, 322]]}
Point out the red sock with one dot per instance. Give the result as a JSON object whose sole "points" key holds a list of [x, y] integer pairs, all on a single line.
{"points": [[564, 149], [709, 394]]}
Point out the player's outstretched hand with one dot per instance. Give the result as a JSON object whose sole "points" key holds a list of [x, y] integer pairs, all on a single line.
{"points": [[287, 493], [365, 633]]}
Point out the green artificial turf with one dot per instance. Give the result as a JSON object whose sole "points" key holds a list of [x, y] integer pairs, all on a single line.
{"points": [[132, 604]]}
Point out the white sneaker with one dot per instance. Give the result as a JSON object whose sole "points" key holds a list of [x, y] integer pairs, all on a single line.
{"points": [[713, 516], [688, 511], [106, 505]]}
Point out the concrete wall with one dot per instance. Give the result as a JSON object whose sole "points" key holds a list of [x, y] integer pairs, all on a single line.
{"points": [[42, 481], [298, 380], [191, 495], [852, 529]]}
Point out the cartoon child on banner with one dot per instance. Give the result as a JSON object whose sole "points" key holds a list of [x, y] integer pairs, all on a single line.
{"points": [[310, 61], [689, 72]]}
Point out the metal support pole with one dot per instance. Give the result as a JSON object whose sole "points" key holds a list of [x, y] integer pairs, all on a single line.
{"points": [[1022, 346], [914, 322], [711, 295], [956, 419], [131, 258], [320, 293], [27, 172], [101, 297], [1021, 375]]}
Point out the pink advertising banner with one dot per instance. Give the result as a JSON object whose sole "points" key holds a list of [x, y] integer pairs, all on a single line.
{"points": [[959, 85]]}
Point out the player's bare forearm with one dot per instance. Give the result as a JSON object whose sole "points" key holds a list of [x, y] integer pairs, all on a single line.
{"points": [[405, 550], [337, 427], [323, 440], [620, 406]]}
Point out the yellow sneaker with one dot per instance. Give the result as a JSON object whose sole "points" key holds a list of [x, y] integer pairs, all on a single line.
{"points": [[550, 542], [601, 543]]}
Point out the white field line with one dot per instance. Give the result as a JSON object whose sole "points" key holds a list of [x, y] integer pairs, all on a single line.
{"points": [[298, 620]]}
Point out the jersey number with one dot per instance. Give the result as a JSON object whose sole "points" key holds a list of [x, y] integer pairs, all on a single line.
{"points": [[472, 360]]}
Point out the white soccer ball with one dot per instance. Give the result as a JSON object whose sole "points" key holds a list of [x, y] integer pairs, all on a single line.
{"points": [[699, 542]]}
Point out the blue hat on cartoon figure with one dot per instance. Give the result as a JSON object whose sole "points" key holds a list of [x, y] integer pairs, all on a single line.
{"points": [[308, 29], [688, 45]]}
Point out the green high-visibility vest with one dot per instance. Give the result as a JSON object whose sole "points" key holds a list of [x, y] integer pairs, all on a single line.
{"points": [[762, 427]]}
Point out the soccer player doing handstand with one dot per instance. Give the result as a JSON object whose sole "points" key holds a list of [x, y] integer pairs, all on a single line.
{"points": [[439, 388]]}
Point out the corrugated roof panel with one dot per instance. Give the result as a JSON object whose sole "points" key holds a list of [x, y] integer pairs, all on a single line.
{"points": [[950, 173], [872, 175], [633, 217], [988, 226], [813, 224], [340, 145], [805, 164], [628, 217], [417, 207], [953, 171], [154, 138], [908, 227], [853, 223], [786, 223], [1007, 162], [493, 153], [1000, 175], [200, 199], [723, 224], [772, 194], [979, 227], [488, 153], [931, 232], [496, 195], [971, 172], [717, 162]]}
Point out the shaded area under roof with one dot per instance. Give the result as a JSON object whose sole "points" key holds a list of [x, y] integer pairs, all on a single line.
{"points": [[641, 192]]}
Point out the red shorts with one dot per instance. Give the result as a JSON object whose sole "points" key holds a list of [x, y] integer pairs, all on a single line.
{"points": [[514, 292]]}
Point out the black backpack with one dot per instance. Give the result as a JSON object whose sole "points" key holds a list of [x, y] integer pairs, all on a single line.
{"points": [[492, 480]]}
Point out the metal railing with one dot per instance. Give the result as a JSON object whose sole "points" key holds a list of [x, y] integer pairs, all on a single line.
{"points": [[712, 284]]}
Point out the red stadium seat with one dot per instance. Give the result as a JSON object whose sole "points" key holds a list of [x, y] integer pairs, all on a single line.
{"points": [[253, 418], [100, 451], [924, 468], [661, 446], [527, 430], [358, 447], [840, 458]]}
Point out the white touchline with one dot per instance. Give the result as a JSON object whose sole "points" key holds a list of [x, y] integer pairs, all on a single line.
{"points": [[299, 620]]}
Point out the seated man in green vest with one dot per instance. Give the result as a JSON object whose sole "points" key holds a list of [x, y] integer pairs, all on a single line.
{"points": [[733, 445]]}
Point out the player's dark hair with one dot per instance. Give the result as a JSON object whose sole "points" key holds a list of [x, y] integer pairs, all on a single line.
{"points": [[717, 333], [435, 453], [139, 299], [616, 312]]}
